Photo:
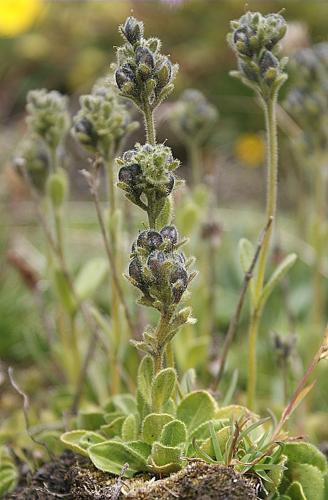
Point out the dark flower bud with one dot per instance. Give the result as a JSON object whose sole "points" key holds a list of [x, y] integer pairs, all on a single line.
{"points": [[144, 56], [249, 71], [124, 75], [170, 233], [129, 174], [267, 62], [241, 39], [85, 132], [179, 282], [155, 260], [128, 155], [132, 30], [170, 183], [149, 239], [179, 274], [277, 28], [135, 272]]}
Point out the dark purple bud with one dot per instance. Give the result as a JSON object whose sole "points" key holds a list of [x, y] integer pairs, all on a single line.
{"points": [[144, 56], [241, 38], [121, 78], [155, 261], [129, 174], [133, 30], [267, 61], [85, 132], [170, 233], [179, 274], [150, 240], [170, 183], [135, 271]]}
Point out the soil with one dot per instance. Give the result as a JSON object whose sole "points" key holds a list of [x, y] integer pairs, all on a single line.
{"points": [[73, 478]]}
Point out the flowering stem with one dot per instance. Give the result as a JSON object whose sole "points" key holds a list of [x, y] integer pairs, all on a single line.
{"points": [[318, 243], [149, 124], [114, 241], [271, 206]]}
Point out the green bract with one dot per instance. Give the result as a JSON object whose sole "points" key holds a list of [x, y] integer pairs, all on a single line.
{"points": [[143, 74], [48, 115], [102, 122], [255, 39]]}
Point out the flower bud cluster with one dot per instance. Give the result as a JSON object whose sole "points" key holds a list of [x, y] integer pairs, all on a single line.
{"points": [[255, 39], [158, 268], [32, 155], [102, 122], [307, 101], [146, 174], [48, 116], [193, 116], [143, 74]]}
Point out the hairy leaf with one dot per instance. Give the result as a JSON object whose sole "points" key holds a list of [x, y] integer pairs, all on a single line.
{"points": [[81, 440], [162, 387], [152, 426], [195, 409], [145, 378], [174, 433], [110, 456]]}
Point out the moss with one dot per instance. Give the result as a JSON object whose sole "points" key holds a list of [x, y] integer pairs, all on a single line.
{"points": [[74, 477]]}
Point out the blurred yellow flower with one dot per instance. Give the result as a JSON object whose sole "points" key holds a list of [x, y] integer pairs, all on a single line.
{"points": [[250, 150], [16, 16]]}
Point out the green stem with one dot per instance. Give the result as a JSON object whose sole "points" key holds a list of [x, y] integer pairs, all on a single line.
{"points": [[272, 187], [319, 224], [252, 364], [161, 333], [114, 241], [271, 207], [149, 124]]}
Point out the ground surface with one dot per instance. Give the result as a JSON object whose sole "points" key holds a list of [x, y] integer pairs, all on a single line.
{"points": [[72, 478]]}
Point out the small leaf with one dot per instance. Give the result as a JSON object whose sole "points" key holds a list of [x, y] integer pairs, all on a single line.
{"points": [[114, 428], [277, 276], [90, 420], [146, 377], [90, 277], [129, 428], [64, 291], [309, 476], [81, 440], [110, 456], [165, 214], [305, 453], [152, 426], [220, 442], [124, 403], [163, 455], [246, 255], [196, 408], [232, 411], [188, 381], [162, 387], [174, 433], [8, 473], [57, 187], [295, 491]]}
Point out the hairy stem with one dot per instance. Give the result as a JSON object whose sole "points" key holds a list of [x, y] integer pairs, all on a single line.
{"points": [[114, 242], [149, 124], [318, 243], [271, 207]]}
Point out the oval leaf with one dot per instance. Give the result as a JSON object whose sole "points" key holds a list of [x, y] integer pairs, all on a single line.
{"points": [[111, 456], [196, 408], [162, 387]]}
